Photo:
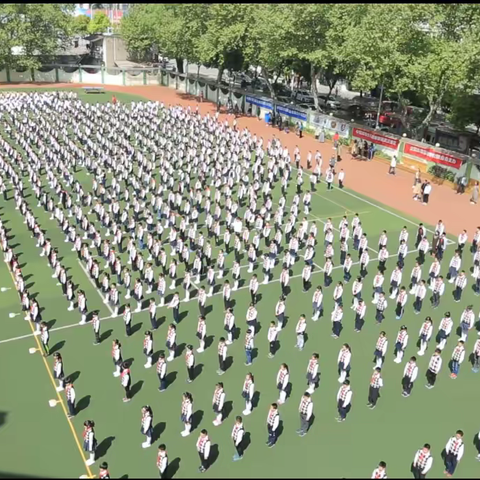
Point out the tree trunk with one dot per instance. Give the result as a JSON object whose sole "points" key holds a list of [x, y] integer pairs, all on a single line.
{"points": [[331, 86], [433, 108], [267, 81], [314, 78], [220, 74], [179, 65], [198, 71]]}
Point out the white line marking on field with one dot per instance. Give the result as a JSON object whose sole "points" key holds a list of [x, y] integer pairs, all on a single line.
{"points": [[95, 287]]}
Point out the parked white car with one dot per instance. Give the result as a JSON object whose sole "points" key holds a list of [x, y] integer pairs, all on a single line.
{"points": [[303, 96]]}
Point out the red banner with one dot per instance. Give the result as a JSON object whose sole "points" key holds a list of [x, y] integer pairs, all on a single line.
{"points": [[432, 155], [375, 137]]}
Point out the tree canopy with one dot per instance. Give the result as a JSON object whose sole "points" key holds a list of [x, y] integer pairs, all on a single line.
{"points": [[32, 33], [99, 23]]}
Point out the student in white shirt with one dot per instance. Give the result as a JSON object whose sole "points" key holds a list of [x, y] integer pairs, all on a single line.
{"points": [[422, 462]]}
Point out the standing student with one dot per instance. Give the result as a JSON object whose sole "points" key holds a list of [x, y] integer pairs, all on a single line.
{"points": [[420, 290], [380, 350], [460, 284], [312, 373], [376, 383], [201, 333], [422, 462], [171, 341], [336, 318], [175, 306], [45, 337], [186, 413], [454, 452], [380, 471], [344, 401], [249, 346], [247, 393], [96, 327], [190, 363], [126, 381], [70, 395], [89, 441], [401, 344], [104, 473], [229, 325], [360, 311], [283, 377], [426, 331], [117, 357], [280, 312], [272, 339], [458, 356], [222, 355], [127, 318], [273, 421], [162, 460], [343, 361], [467, 322], [218, 402], [300, 331], [58, 372], [380, 307], [434, 368], [306, 410], [148, 348], [426, 193], [410, 373], [476, 358], [203, 449], [317, 303], [146, 426], [402, 298], [162, 372], [444, 330], [238, 432]]}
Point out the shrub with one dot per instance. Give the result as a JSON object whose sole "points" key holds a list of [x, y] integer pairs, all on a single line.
{"points": [[441, 172]]}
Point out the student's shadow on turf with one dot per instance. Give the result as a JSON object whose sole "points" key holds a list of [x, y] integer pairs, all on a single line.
{"points": [[227, 409], [136, 388], [173, 468], [57, 347], [74, 376], [182, 315], [233, 303], [255, 399], [254, 354], [83, 404], [51, 323], [214, 454], [246, 441], [228, 362], [280, 429], [170, 378], [179, 350], [259, 297], [158, 430], [160, 322], [208, 310], [106, 335], [197, 419], [197, 371], [103, 447], [209, 340], [136, 328]]}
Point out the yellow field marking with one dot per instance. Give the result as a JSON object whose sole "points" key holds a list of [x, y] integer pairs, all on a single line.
{"points": [[60, 400]]}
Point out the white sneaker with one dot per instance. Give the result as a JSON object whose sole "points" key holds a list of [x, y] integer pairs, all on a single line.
{"points": [[59, 389], [169, 359], [200, 350], [420, 353], [89, 462], [185, 433], [116, 374], [82, 322], [70, 309], [37, 333], [146, 445], [247, 412], [148, 365]]}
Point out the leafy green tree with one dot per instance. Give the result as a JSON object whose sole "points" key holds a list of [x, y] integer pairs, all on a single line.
{"points": [[139, 31], [465, 110], [99, 23], [80, 24], [35, 32]]}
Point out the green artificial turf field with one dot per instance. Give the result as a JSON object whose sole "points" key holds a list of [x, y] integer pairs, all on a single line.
{"points": [[37, 441]]}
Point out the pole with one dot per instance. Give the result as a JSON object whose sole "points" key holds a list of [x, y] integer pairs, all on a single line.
{"points": [[379, 107]]}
